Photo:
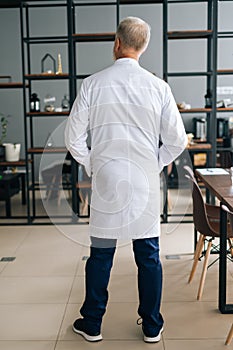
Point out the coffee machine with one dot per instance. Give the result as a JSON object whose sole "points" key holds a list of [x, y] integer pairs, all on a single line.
{"points": [[199, 128], [222, 128]]}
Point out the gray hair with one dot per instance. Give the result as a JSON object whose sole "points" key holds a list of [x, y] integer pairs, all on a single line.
{"points": [[134, 33]]}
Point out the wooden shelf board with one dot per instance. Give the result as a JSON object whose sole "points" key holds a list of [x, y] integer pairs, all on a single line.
{"points": [[39, 150], [132, 2], [227, 109], [20, 162], [225, 71], [31, 114], [199, 146], [47, 76], [205, 110], [195, 110], [90, 37], [189, 34], [11, 85]]}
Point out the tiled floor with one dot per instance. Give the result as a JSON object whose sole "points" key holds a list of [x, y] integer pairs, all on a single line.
{"points": [[42, 289]]}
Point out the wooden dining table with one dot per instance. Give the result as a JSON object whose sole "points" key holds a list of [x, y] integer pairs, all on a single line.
{"points": [[220, 185]]}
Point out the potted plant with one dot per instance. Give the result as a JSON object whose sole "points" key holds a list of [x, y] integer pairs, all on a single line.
{"points": [[4, 123], [8, 151]]}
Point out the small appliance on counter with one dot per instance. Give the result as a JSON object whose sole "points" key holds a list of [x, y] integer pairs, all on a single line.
{"points": [[199, 128], [222, 128]]}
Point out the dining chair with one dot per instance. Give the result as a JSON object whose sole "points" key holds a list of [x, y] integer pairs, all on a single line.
{"points": [[230, 216], [212, 211], [84, 193], [229, 336], [206, 220]]}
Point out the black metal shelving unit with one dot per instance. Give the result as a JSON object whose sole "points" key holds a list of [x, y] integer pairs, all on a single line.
{"points": [[221, 35], [210, 72], [29, 77], [72, 39], [6, 83], [75, 38]]}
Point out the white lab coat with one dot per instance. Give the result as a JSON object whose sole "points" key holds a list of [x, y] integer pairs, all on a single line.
{"points": [[126, 110]]}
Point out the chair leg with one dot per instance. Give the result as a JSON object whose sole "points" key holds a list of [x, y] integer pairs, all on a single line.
{"points": [[197, 255], [230, 336], [169, 202], [204, 271], [230, 246]]}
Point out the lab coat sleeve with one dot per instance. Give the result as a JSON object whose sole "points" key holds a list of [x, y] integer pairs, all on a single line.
{"points": [[76, 130], [172, 131]]}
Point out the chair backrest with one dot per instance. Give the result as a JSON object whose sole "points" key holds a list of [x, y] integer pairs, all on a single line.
{"points": [[200, 218]]}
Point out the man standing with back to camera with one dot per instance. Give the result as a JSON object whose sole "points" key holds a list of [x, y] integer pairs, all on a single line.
{"points": [[128, 112]]}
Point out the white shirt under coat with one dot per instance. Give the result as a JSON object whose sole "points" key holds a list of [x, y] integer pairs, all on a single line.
{"points": [[127, 110]]}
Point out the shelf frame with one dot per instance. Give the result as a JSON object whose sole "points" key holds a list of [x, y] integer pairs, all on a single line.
{"points": [[189, 34], [93, 37], [47, 114], [209, 34], [45, 76]]}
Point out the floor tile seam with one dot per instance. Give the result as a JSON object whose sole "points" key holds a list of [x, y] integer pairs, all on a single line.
{"points": [[167, 273], [60, 327], [182, 300], [163, 342], [38, 276], [32, 303], [198, 302], [125, 274], [72, 284], [5, 266], [66, 308], [79, 274], [57, 333], [14, 251], [109, 302], [28, 340], [23, 240], [215, 308], [106, 339], [194, 339], [34, 255], [103, 341], [52, 236]]}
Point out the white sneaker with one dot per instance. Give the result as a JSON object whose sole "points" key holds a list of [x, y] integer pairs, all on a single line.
{"points": [[153, 339], [79, 327]]}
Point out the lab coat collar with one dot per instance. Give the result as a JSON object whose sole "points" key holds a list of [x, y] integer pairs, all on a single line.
{"points": [[126, 60]]}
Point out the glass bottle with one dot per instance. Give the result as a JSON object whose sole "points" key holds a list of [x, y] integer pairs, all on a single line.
{"points": [[65, 104]]}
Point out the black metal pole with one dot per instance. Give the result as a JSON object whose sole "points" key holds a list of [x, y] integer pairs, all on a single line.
{"points": [[25, 111], [222, 261], [72, 89], [165, 40]]}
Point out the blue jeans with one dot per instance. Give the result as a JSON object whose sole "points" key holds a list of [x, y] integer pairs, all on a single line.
{"points": [[98, 268]]}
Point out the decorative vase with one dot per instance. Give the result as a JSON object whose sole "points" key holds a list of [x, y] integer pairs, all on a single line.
{"points": [[12, 152]]}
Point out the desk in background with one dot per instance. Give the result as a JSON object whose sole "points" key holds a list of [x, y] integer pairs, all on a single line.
{"points": [[9, 180], [221, 186], [9, 186]]}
